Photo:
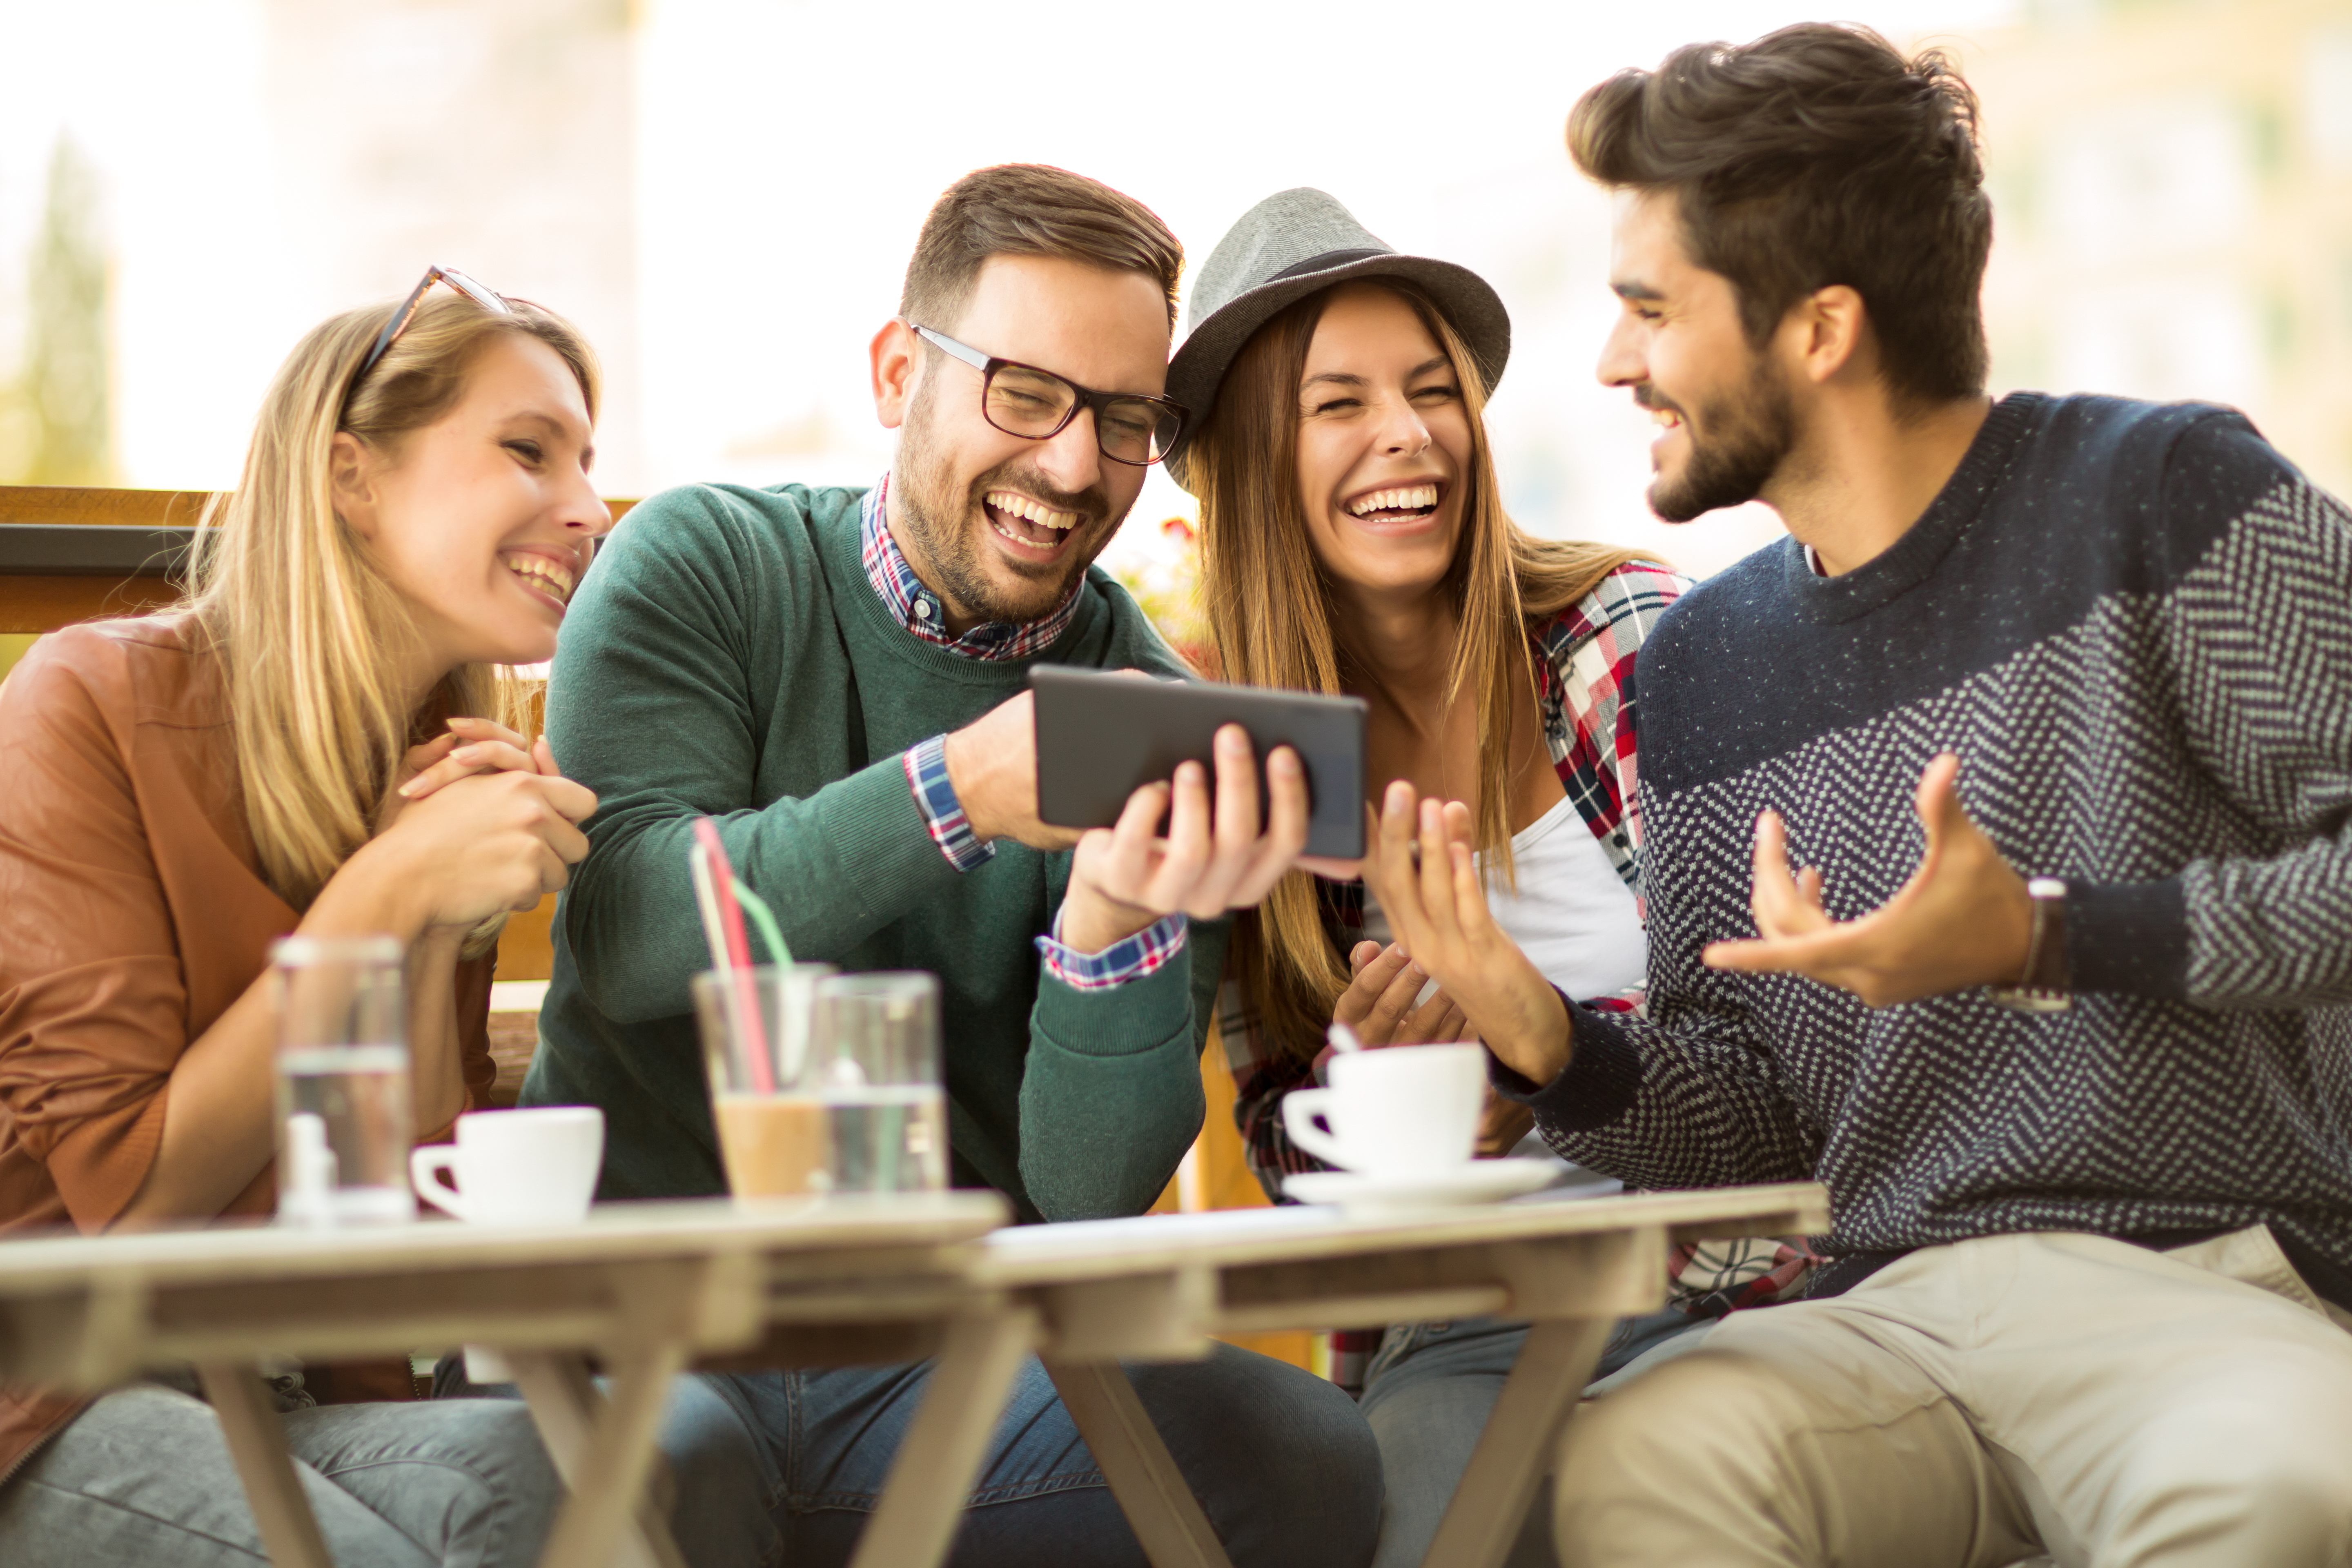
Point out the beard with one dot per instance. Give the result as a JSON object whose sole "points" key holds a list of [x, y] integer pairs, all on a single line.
{"points": [[1749, 433], [943, 518]]}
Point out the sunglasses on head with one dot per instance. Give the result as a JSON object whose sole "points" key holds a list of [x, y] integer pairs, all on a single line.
{"points": [[488, 299]]}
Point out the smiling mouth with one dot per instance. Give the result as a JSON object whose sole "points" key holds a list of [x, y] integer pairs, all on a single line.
{"points": [[1397, 503], [1028, 522], [540, 573]]}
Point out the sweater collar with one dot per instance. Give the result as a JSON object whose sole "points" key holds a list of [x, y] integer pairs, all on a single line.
{"points": [[1911, 559]]}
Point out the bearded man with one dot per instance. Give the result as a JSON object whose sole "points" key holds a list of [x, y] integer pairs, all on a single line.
{"points": [[839, 678], [1998, 836]]}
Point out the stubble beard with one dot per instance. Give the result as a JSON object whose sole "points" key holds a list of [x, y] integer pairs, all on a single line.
{"points": [[1749, 434], [937, 513]]}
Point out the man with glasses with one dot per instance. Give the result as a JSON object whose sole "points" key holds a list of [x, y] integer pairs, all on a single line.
{"points": [[839, 678]]}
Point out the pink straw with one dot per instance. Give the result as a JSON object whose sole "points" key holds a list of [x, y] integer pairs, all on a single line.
{"points": [[735, 964]]}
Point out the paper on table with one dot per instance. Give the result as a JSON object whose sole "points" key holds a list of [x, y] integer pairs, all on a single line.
{"points": [[1083, 1233]]}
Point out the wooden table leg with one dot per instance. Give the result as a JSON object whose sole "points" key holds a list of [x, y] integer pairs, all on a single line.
{"points": [[566, 1404], [608, 1485], [1152, 1491], [923, 1496], [256, 1441], [1491, 1503]]}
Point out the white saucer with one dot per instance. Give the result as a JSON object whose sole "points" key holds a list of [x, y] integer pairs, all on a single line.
{"points": [[1479, 1182]]}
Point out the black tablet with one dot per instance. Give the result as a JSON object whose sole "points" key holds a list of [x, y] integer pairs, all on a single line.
{"points": [[1101, 737]]}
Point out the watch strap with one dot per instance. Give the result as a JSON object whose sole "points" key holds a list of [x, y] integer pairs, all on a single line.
{"points": [[2043, 987]]}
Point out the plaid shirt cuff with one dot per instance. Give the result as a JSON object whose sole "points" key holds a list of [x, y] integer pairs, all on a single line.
{"points": [[1129, 958], [935, 797]]}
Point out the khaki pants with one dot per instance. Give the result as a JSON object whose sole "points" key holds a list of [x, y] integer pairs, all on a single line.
{"points": [[1972, 1405]]}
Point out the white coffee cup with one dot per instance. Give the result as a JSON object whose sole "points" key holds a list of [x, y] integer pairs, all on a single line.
{"points": [[516, 1167], [1398, 1110]]}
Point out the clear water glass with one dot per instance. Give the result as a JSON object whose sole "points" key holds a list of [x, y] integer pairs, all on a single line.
{"points": [[877, 1072], [771, 1130], [345, 1118]]}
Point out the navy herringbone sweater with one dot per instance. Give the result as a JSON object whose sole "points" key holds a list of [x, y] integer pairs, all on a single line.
{"points": [[2133, 625]]}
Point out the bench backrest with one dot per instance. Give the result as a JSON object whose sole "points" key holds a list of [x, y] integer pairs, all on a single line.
{"points": [[72, 552]]}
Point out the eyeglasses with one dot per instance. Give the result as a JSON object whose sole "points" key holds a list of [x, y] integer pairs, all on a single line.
{"points": [[409, 307], [1036, 405]]}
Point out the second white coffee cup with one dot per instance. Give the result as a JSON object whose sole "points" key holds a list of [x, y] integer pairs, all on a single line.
{"points": [[1398, 1110], [516, 1167]]}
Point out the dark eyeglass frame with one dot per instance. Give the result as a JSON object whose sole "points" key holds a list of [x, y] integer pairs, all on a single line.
{"points": [[488, 299], [1086, 398]]}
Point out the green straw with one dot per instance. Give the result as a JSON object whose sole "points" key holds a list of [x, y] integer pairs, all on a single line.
{"points": [[771, 934]]}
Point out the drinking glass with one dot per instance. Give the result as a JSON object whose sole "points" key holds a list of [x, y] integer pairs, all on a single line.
{"points": [[755, 1027], [345, 1119], [877, 1071]]}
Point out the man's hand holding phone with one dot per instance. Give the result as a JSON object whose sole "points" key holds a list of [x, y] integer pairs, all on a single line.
{"points": [[1126, 877], [992, 767]]}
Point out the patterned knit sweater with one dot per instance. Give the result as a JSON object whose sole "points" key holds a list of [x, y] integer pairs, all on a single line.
{"points": [[2133, 625]]}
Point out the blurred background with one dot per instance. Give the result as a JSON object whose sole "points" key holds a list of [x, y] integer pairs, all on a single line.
{"points": [[723, 193]]}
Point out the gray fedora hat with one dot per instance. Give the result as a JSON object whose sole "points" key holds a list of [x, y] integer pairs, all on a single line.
{"points": [[1284, 248]]}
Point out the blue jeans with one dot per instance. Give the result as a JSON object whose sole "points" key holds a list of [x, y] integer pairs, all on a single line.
{"points": [[1280, 1460], [1427, 1396], [144, 1476]]}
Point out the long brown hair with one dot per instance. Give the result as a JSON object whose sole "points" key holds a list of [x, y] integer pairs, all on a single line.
{"points": [[1272, 620], [307, 630]]}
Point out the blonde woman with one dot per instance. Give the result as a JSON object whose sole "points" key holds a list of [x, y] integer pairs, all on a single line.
{"points": [[1353, 541], [322, 739]]}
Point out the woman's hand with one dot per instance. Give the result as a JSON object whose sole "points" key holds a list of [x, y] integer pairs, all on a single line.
{"points": [[472, 746], [1439, 913], [1382, 1004], [1501, 1126], [478, 844]]}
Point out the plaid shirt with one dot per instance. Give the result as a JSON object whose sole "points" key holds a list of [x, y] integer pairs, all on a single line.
{"points": [[913, 606], [1585, 657]]}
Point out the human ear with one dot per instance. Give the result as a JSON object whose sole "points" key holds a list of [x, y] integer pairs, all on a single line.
{"points": [[893, 357], [351, 483], [1833, 321]]}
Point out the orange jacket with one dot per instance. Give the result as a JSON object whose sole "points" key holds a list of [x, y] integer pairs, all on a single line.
{"points": [[132, 913]]}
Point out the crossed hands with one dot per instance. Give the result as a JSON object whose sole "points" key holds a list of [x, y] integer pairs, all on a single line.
{"points": [[479, 821], [1963, 919]]}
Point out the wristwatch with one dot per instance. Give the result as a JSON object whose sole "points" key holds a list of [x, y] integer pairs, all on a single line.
{"points": [[2043, 987]]}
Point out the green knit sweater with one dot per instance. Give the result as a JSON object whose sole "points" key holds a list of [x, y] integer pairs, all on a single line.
{"points": [[728, 656]]}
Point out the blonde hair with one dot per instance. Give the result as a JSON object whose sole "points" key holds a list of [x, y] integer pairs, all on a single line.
{"points": [[1272, 621], [307, 632]]}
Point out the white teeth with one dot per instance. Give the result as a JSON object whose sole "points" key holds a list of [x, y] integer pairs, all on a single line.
{"points": [[542, 572], [1036, 512], [1666, 416], [1409, 498]]}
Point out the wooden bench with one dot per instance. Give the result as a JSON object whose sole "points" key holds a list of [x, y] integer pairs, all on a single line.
{"points": [[69, 553]]}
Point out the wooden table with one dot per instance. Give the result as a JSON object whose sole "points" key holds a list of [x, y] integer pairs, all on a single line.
{"points": [[1156, 1288], [644, 1288]]}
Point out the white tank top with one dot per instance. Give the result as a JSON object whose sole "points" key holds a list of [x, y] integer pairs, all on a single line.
{"points": [[1570, 915]]}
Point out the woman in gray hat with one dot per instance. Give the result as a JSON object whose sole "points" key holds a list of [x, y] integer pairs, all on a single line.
{"points": [[1354, 540]]}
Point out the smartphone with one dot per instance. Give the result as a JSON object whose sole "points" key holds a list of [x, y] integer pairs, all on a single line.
{"points": [[1101, 737]]}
